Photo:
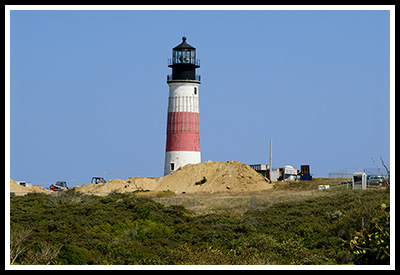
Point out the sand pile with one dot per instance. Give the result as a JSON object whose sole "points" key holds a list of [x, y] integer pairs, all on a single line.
{"points": [[119, 186], [21, 190], [231, 176], [218, 176]]}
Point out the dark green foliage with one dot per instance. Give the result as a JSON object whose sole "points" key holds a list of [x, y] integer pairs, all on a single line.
{"points": [[73, 255], [126, 229], [372, 244], [204, 180]]}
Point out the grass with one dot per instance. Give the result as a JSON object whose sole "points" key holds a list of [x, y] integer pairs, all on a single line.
{"points": [[204, 204]]}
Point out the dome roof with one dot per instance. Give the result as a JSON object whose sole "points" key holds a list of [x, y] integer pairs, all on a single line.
{"points": [[184, 45]]}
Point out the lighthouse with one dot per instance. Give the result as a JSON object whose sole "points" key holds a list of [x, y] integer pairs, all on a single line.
{"points": [[183, 124]]}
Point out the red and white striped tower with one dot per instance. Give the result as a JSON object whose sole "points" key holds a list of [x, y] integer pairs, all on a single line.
{"points": [[183, 126]]}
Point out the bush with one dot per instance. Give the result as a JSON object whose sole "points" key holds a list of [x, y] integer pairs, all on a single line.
{"points": [[72, 255], [204, 180], [372, 245], [125, 229]]}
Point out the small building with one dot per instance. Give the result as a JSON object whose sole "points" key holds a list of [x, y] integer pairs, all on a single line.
{"points": [[275, 174], [263, 169], [288, 172], [359, 181], [24, 183], [260, 168]]}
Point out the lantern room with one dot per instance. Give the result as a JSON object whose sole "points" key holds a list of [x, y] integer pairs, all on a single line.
{"points": [[183, 62]]}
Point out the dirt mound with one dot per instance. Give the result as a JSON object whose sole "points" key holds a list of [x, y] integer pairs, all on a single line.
{"points": [[231, 176], [21, 190], [119, 186], [214, 177]]}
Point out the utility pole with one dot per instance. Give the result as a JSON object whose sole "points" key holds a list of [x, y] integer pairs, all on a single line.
{"points": [[270, 159]]}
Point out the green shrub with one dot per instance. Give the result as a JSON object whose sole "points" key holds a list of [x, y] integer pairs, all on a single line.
{"points": [[204, 180], [72, 255], [126, 229], [372, 245]]}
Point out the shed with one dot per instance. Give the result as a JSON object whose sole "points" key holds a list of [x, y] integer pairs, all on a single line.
{"points": [[359, 180], [260, 168], [263, 169], [24, 183]]}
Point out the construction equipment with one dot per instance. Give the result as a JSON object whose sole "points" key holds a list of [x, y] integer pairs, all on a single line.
{"points": [[305, 172], [97, 180], [59, 186]]}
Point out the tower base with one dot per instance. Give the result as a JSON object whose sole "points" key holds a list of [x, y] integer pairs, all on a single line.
{"points": [[176, 159]]}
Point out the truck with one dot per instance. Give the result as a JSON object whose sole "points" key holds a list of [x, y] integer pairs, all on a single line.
{"points": [[375, 180]]}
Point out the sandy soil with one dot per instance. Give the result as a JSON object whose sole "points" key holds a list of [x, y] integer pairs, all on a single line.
{"points": [[230, 176], [20, 190]]}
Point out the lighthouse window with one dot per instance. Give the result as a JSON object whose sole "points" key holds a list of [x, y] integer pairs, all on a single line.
{"points": [[172, 166], [195, 90], [186, 56], [179, 57]]}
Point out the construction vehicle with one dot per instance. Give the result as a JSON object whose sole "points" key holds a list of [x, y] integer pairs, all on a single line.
{"points": [[305, 172], [97, 180], [59, 186]]}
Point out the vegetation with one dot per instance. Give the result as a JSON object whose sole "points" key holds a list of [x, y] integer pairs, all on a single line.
{"points": [[371, 246], [204, 180], [120, 229]]}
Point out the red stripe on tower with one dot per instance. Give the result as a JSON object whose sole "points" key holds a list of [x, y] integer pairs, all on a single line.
{"points": [[183, 132]]}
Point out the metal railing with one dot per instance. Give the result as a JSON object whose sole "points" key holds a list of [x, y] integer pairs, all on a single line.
{"points": [[193, 61], [196, 77]]}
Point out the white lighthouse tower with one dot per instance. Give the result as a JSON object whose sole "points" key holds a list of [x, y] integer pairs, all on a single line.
{"points": [[183, 126]]}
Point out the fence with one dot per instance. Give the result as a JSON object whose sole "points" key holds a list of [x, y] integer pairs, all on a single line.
{"points": [[348, 172]]}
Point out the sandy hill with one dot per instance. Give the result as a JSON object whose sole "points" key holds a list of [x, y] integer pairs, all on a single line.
{"points": [[21, 190], [231, 176]]}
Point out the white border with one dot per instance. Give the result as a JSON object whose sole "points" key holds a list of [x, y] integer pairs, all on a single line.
{"points": [[8, 9], [199, 7]]}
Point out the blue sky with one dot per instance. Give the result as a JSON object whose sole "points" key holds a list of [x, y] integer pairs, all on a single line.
{"points": [[88, 91]]}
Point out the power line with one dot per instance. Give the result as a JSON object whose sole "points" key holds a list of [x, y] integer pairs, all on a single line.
{"points": [[135, 173]]}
